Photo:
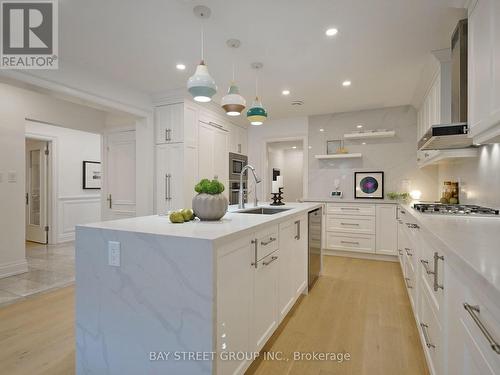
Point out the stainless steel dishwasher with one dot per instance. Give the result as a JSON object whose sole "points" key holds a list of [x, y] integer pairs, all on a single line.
{"points": [[314, 252]]}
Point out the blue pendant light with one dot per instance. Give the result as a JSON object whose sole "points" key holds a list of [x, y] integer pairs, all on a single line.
{"points": [[257, 114]]}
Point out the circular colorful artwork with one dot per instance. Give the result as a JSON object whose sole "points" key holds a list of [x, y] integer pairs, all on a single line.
{"points": [[368, 185]]}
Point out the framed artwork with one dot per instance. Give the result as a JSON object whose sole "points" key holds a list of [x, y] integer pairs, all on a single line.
{"points": [[334, 146], [369, 185], [92, 175]]}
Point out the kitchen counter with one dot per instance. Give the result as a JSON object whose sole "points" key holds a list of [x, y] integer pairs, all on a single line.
{"points": [[470, 244], [342, 200], [232, 225]]}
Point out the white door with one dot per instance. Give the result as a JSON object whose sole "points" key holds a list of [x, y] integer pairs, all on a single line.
{"points": [[119, 175], [169, 177], [36, 191]]}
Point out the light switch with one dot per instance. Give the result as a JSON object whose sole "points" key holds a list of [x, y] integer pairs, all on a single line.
{"points": [[12, 177], [114, 253]]}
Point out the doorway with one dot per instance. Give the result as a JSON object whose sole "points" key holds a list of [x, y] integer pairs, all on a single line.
{"points": [[286, 159], [36, 190]]}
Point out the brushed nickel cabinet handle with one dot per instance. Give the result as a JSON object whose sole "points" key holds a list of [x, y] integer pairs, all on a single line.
{"points": [[352, 224], [437, 258], [273, 258], [350, 208], [255, 242], [265, 243], [474, 311], [297, 236], [426, 336]]}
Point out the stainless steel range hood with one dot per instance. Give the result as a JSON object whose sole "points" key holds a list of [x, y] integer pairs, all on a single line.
{"points": [[455, 134]]}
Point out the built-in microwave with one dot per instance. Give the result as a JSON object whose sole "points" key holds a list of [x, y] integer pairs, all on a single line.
{"points": [[236, 164]]}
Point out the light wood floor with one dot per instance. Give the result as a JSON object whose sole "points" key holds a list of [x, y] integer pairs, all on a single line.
{"points": [[358, 306]]}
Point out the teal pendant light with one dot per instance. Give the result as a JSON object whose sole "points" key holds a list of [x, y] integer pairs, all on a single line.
{"points": [[257, 114], [201, 85]]}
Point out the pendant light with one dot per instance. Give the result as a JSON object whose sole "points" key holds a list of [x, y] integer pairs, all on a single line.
{"points": [[233, 103], [257, 113], [201, 85]]}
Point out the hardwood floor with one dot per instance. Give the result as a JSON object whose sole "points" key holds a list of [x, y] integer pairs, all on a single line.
{"points": [[358, 307], [37, 335]]}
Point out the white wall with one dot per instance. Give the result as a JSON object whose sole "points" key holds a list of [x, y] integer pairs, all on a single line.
{"points": [[479, 178], [75, 205], [396, 157], [16, 105], [274, 130]]}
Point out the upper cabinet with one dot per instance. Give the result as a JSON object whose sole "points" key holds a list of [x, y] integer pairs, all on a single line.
{"points": [[238, 140], [484, 71], [176, 123]]}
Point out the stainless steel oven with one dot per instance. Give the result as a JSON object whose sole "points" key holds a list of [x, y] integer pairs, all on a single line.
{"points": [[236, 164], [234, 188]]}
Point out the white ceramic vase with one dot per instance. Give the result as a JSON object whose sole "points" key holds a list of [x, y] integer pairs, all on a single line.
{"points": [[208, 207]]}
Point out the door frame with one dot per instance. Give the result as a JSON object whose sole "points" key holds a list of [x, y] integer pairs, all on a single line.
{"points": [[305, 162], [52, 185]]}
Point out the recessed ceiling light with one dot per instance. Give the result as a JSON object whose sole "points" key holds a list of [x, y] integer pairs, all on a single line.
{"points": [[359, 126], [364, 143], [294, 147], [180, 67], [346, 83], [321, 130], [310, 147], [285, 92], [331, 32]]}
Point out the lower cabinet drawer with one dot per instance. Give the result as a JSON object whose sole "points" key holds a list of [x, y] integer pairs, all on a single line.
{"points": [[267, 241], [351, 224], [430, 334], [350, 209], [350, 242]]}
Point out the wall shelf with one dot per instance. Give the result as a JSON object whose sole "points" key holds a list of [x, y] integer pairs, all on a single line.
{"points": [[338, 156], [366, 135]]}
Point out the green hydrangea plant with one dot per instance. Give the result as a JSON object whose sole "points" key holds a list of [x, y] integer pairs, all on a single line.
{"points": [[209, 187]]}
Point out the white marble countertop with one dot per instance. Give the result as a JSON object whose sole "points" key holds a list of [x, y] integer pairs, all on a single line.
{"points": [[342, 200], [470, 243], [231, 224]]}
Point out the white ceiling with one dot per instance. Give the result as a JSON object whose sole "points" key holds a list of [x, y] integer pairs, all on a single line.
{"points": [[382, 46]]}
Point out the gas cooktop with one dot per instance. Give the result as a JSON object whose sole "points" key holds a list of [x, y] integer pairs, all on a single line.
{"points": [[455, 209]]}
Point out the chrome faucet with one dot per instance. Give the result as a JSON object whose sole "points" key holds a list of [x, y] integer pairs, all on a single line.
{"points": [[241, 201]]}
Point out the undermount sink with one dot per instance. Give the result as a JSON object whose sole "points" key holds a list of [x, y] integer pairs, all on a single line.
{"points": [[263, 211]]}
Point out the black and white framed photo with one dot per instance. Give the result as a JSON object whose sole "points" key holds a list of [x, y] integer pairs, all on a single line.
{"points": [[369, 185], [91, 174]]}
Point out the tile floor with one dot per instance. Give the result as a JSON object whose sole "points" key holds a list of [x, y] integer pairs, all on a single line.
{"points": [[50, 266]]}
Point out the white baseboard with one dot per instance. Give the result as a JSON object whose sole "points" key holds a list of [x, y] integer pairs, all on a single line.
{"points": [[66, 237], [359, 255], [13, 268]]}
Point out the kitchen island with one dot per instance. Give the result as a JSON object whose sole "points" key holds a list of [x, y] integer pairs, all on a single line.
{"points": [[154, 297]]}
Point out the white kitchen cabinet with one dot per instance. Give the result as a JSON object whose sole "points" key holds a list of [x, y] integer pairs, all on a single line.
{"points": [[484, 71], [265, 301], [213, 154], [386, 229], [176, 123], [174, 187], [235, 278], [293, 263], [238, 139]]}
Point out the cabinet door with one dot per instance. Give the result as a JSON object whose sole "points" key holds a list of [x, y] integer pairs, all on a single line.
{"points": [[221, 156], [169, 121], [387, 229], [496, 59], [300, 255], [205, 151], [169, 177], [190, 124], [286, 263], [479, 62], [244, 141], [234, 138], [265, 308], [234, 286]]}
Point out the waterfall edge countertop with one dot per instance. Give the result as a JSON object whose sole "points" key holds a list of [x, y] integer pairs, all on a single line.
{"points": [[233, 223]]}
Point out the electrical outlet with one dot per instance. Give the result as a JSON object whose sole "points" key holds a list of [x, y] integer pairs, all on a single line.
{"points": [[114, 253]]}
